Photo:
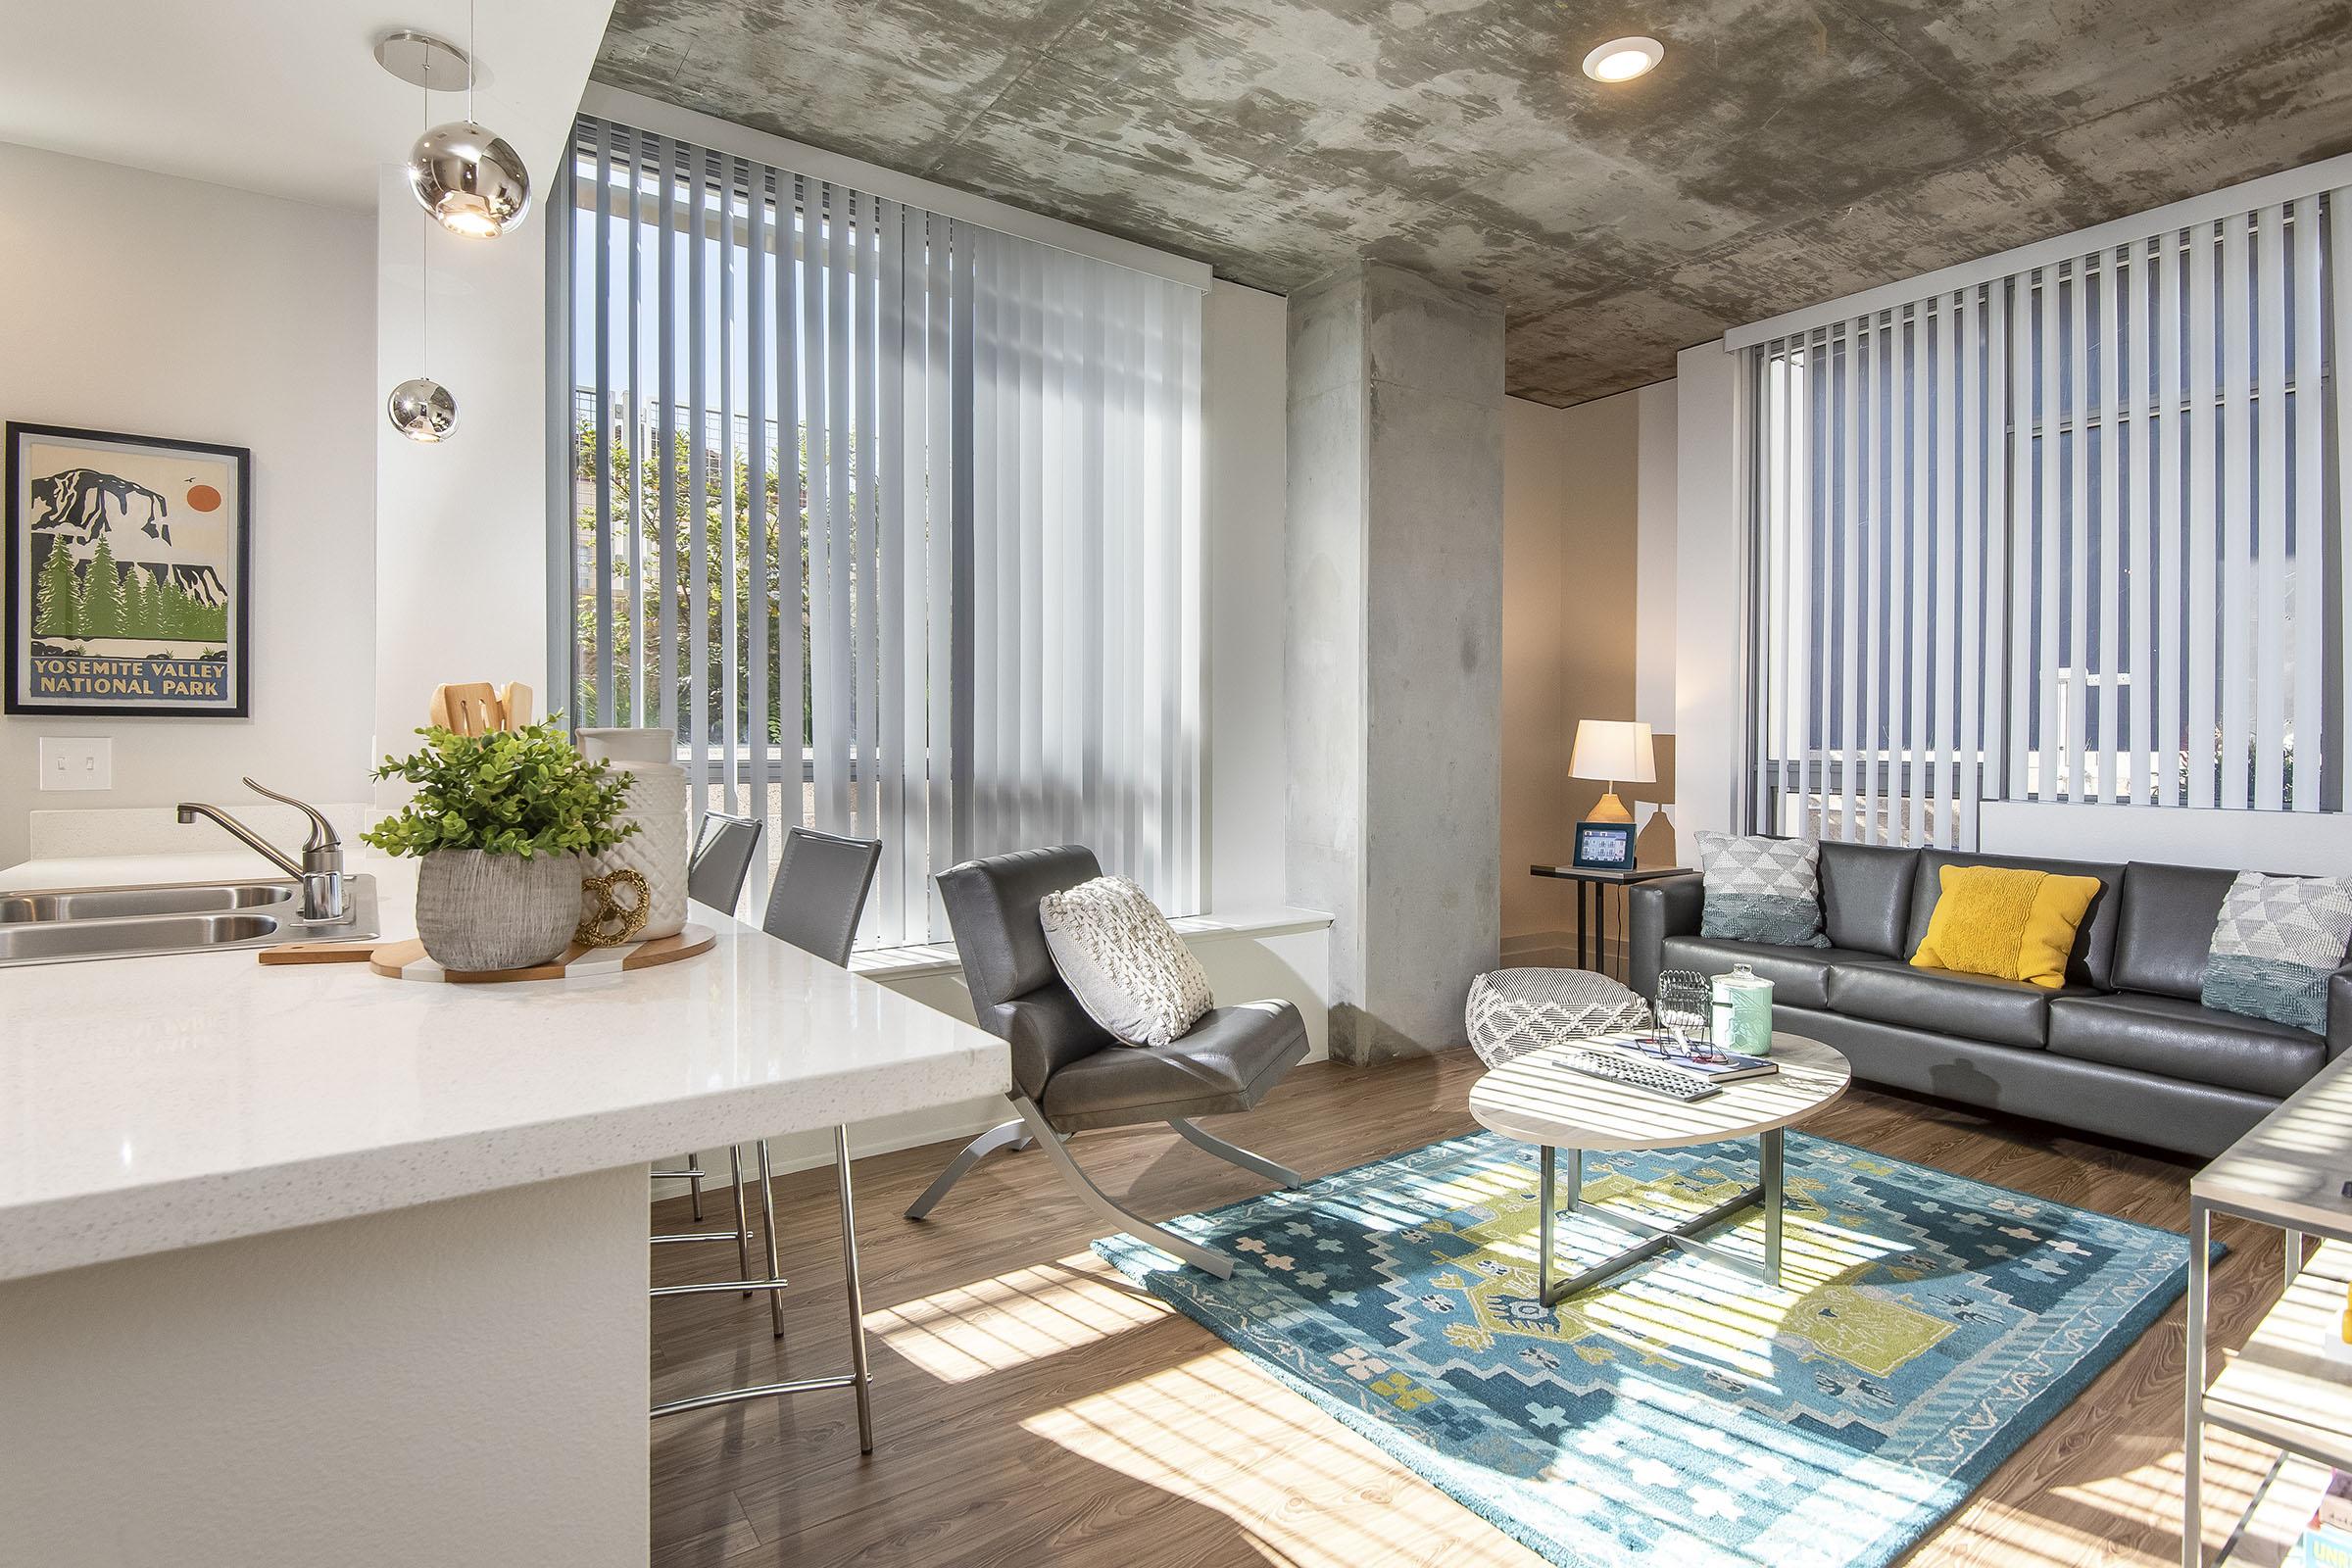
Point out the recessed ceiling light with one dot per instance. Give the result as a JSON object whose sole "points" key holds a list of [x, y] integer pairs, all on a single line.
{"points": [[1624, 59]]}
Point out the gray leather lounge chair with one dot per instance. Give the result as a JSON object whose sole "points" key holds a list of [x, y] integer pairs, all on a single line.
{"points": [[1069, 1075]]}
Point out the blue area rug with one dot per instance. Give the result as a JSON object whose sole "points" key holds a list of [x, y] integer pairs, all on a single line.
{"points": [[1682, 1414]]}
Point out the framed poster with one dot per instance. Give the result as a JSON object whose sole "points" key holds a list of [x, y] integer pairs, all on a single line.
{"points": [[128, 576]]}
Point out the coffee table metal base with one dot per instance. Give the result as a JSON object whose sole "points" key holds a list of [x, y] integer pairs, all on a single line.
{"points": [[1656, 1239]]}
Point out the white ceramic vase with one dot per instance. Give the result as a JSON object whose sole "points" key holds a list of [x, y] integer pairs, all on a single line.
{"points": [[657, 850]]}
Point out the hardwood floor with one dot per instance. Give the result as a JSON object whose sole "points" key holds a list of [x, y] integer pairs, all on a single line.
{"points": [[1032, 1407]]}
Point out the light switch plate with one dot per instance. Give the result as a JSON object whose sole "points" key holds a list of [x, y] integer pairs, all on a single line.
{"points": [[77, 763]]}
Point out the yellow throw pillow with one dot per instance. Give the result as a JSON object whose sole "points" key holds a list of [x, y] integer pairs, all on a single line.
{"points": [[2006, 922]]}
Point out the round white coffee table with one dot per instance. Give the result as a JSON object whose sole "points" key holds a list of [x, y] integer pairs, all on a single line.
{"points": [[1535, 1099]]}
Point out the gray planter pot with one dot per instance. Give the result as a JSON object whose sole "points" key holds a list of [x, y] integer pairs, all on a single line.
{"points": [[476, 911]]}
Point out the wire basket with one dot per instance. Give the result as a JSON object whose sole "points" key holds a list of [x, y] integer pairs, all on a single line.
{"points": [[1685, 1006]]}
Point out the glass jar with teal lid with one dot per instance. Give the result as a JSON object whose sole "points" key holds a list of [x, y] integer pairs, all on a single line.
{"points": [[1742, 1012]]}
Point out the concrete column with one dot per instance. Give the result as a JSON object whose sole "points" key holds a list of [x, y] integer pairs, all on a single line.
{"points": [[1394, 564]]}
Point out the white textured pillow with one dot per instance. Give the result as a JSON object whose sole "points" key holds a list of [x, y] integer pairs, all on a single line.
{"points": [[1123, 961]]}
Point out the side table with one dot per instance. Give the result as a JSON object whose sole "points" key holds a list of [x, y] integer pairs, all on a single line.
{"points": [[2294, 1173], [1592, 887]]}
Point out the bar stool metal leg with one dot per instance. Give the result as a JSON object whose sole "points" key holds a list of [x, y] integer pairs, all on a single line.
{"points": [[861, 1377], [849, 1265], [768, 1212], [743, 1218], [694, 1179]]}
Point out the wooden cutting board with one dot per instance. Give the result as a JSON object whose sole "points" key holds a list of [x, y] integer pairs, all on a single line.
{"points": [[408, 959]]}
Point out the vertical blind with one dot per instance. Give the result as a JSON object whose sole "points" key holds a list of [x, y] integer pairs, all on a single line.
{"points": [[2072, 534], [892, 519]]}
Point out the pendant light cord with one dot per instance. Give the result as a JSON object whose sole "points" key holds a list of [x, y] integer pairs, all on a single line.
{"points": [[424, 244]]}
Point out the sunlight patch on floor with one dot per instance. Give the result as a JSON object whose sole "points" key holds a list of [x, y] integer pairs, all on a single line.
{"points": [[2149, 1495], [1306, 1490], [1995, 1535], [995, 1324]]}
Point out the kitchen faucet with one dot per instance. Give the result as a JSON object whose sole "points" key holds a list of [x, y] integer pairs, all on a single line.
{"points": [[320, 871]]}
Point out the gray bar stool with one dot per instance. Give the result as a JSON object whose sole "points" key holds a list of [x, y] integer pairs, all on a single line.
{"points": [[815, 903]]}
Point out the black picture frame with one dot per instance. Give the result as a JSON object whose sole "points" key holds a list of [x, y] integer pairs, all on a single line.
{"points": [[179, 581], [1603, 846]]}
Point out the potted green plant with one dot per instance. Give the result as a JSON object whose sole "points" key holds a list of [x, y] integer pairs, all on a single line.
{"points": [[500, 823]]}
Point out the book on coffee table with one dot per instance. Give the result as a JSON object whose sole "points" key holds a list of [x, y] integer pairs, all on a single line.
{"points": [[1716, 1066]]}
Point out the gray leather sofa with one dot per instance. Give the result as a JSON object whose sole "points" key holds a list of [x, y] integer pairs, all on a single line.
{"points": [[2123, 1049]]}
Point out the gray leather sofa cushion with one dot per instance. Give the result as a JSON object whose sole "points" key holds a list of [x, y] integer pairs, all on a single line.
{"points": [[2198, 1119], [2178, 1038], [1866, 897], [2002, 1012], [2164, 927], [1799, 976], [2092, 963], [1231, 1058]]}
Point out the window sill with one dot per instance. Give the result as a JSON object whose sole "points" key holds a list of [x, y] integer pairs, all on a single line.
{"points": [[939, 957]]}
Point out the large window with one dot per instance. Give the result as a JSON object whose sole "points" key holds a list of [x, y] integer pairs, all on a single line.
{"points": [[892, 519], [2072, 533]]}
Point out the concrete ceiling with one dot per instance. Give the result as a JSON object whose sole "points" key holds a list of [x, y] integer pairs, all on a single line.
{"points": [[1785, 152], [277, 96]]}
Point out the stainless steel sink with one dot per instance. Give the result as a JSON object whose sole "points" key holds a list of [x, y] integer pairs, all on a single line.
{"points": [[63, 925], [109, 904]]}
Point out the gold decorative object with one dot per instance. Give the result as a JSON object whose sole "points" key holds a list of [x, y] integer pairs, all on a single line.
{"points": [[614, 922]]}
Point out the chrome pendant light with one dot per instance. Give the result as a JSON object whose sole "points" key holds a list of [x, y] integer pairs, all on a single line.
{"points": [[421, 408], [468, 178]]}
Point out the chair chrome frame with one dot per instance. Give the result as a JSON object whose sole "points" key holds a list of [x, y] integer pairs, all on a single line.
{"points": [[993, 908], [1029, 1126]]}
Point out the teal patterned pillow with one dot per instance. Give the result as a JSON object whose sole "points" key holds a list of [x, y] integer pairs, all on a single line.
{"points": [[1761, 890], [2277, 939]]}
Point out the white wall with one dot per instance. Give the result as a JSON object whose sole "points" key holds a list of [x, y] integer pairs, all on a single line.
{"points": [[1707, 588], [1657, 462], [460, 561], [1242, 366], [158, 306], [1588, 632], [1538, 915]]}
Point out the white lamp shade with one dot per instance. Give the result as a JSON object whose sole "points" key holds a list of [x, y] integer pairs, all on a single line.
{"points": [[1614, 751]]}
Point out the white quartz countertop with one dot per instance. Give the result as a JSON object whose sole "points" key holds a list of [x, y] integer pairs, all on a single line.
{"points": [[158, 1103]]}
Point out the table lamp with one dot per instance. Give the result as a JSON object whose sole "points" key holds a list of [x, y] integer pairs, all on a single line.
{"points": [[1610, 749]]}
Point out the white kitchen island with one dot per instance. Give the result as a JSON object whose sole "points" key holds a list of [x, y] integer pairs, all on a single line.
{"points": [[304, 1265]]}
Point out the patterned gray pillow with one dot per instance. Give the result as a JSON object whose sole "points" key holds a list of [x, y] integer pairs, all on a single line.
{"points": [[1761, 890], [2277, 939], [1123, 961]]}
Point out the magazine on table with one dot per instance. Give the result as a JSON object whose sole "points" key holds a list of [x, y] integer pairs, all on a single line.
{"points": [[1716, 1066]]}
